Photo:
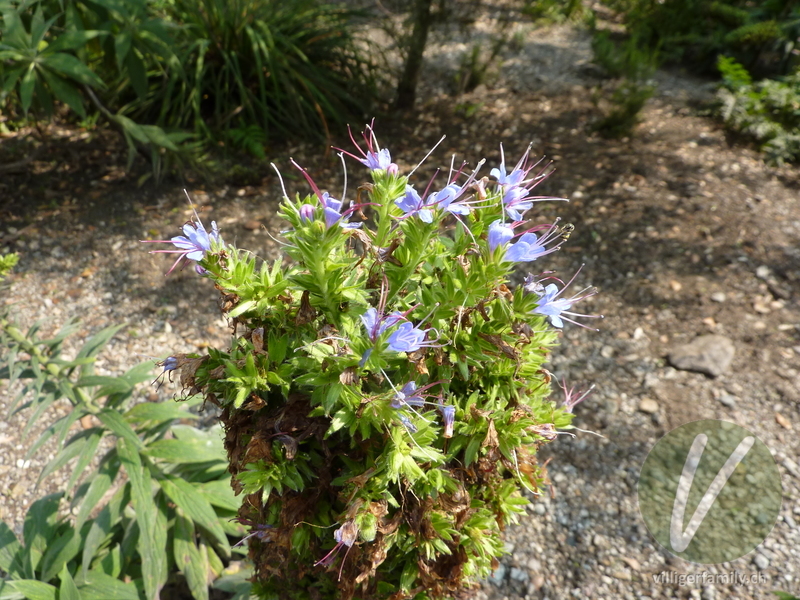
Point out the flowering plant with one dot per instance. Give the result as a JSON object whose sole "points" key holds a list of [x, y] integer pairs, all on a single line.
{"points": [[384, 396]]}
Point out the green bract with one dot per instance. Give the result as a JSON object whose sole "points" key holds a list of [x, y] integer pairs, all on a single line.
{"points": [[339, 441]]}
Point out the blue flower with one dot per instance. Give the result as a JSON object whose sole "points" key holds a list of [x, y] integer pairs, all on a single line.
{"points": [[374, 158], [192, 245], [333, 212], [555, 308], [517, 202], [376, 323], [407, 338], [499, 235], [412, 204], [526, 249], [449, 417], [378, 160], [408, 396]]}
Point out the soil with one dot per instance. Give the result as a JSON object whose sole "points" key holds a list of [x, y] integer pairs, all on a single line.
{"points": [[685, 232]]}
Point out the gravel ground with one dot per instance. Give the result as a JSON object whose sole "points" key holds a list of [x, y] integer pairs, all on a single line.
{"points": [[684, 233]]}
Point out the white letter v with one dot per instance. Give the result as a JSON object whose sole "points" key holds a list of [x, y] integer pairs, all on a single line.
{"points": [[679, 539]]}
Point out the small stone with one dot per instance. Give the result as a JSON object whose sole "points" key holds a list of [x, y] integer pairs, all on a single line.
{"points": [[607, 351], [606, 579], [499, 575], [727, 399], [600, 541], [632, 562], [709, 354], [519, 574], [649, 406], [761, 561], [540, 509], [252, 225], [623, 575], [782, 421], [709, 593], [638, 333], [675, 285], [763, 272], [718, 297]]}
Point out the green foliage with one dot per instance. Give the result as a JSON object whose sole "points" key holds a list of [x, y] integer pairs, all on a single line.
{"points": [[168, 511], [632, 64], [351, 483], [288, 68], [7, 263], [761, 35], [767, 111], [170, 75], [554, 11]]}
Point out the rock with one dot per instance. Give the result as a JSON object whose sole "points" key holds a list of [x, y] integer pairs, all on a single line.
{"points": [[763, 272], [519, 574], [727, 399], [623, 575], [718, 297], [709, 354], [498, 575], [761, 561], [649, 406]]}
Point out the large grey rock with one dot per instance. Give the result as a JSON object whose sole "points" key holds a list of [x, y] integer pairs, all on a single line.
{"points": [[709, 354]]}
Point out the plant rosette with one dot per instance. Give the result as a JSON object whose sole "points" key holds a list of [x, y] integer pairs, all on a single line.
{"points": [[384, 395]]}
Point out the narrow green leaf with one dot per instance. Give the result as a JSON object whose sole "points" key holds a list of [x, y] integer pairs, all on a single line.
{"points": [[154, 560], [103, 525], [67, 590], [122, 45], [73, 68], [33, 590], [26, 88], [60, 551], [38, 529], [197, 508], [100, 484], [99, 586], [158, 412], [73, 40], [65, 92], [11, 551], [117, 424], [180, 452], [86, 457], [220, 493], [107, 385], [95, 343], [190, 561], [137, 73]]}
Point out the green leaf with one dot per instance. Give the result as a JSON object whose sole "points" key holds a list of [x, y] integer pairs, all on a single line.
{"points": [[73, 40], [220, 493], [107, 385], [137, 73], [116, 423], [122, 45], [38, 529], [11, 551], [197, 508], [176, 451], [190, 561], [26, 88], [100, 484], [103, 525], [67, 590], [95, 343], [32, 589], [153, 554], [99, 586], [65, 92], [59, 552], [71, 67], [158, 412]]}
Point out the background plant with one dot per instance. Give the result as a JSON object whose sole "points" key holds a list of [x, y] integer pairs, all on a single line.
{"points": [[170, 76], [767, 111], [149, 492]]}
